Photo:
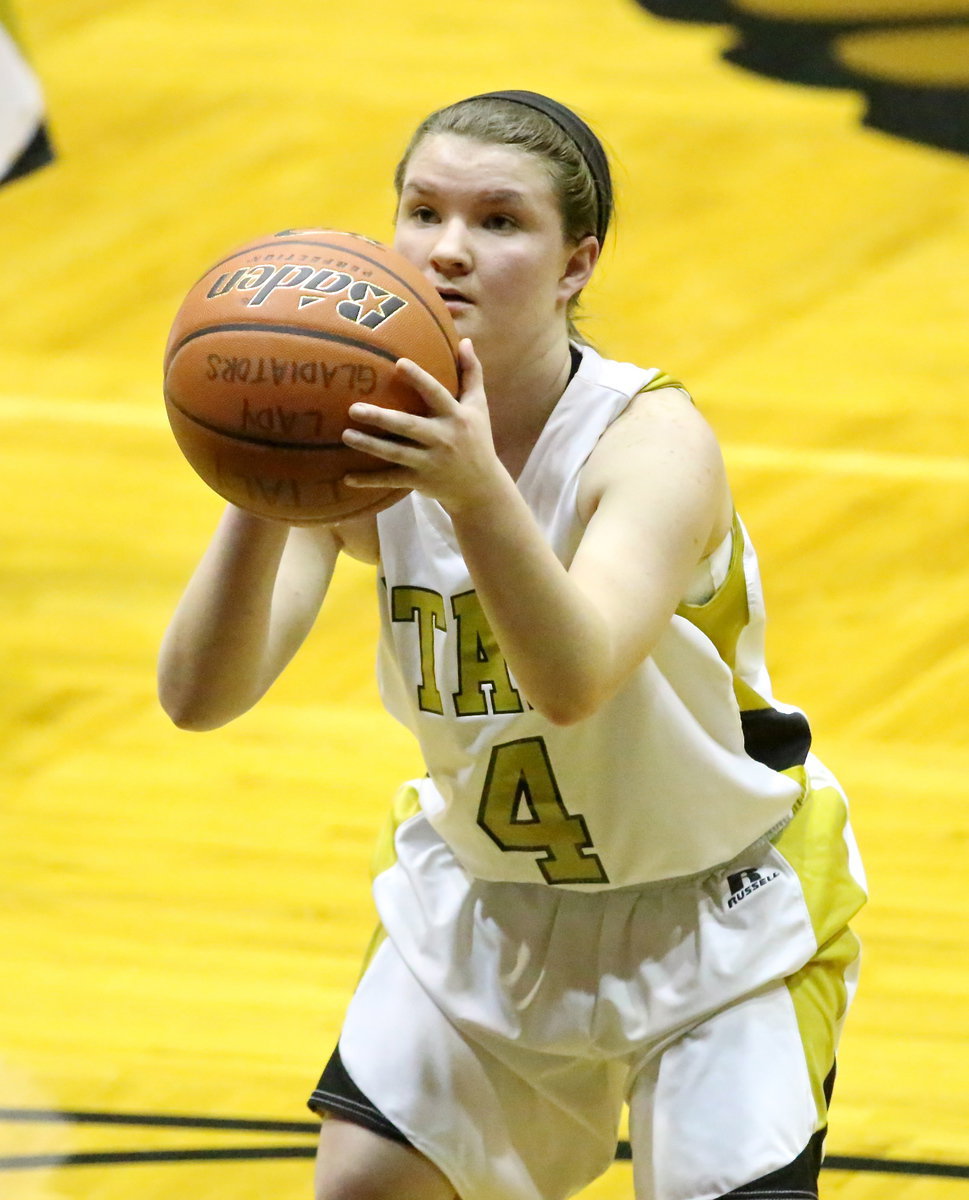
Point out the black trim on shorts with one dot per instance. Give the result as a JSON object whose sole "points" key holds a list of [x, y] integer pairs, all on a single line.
{"points": [[799, 1179], [337, 1094], [37, 153]]}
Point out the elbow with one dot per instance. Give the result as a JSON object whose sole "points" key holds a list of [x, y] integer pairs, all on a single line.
{"points": [[565, 715], [574, 700], [196, 697], [192, 718], [194, 713], [194, 722], [569, 707]]}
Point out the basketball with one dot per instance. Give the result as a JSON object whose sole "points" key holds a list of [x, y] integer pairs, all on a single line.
{"points": [[271, 347]]}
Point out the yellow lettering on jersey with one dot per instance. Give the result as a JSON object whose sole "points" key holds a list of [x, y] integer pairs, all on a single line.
{"points": [[427, 609], [481, 664], [521, 809]]}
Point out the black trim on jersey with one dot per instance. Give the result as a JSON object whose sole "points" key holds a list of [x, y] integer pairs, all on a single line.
{"points": [[779, 740]]}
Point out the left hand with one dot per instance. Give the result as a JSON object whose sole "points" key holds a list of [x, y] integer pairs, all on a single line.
{"points": [[448, 455]]}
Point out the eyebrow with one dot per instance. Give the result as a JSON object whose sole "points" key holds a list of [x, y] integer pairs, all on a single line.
{"points": [[493, 196]]}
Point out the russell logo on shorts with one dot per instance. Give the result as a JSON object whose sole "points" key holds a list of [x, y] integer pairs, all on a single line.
{"points": [[741, 884]]}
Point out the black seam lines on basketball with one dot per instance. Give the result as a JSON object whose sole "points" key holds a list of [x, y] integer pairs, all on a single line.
{"points": [[252, 441], [342, 250], [299, 330], [288, 329]]}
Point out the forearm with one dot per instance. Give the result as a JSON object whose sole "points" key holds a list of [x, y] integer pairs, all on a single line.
{"points": [[553, 638], [221, 650], [653, 492]]}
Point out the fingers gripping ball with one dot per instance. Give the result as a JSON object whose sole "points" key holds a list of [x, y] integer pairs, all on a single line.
{"points": [[271, 347]]}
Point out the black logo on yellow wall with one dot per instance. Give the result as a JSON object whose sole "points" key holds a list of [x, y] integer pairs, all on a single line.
{"points": [[908, 58]]}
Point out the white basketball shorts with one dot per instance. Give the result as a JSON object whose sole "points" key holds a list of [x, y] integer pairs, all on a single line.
{"points": [[500, 1027]]}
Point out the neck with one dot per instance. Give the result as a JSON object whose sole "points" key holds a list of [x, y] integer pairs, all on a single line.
{"points": [[521, 397]]}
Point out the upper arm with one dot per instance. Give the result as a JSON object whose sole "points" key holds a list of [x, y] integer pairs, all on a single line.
{"points": [[657, 501]]}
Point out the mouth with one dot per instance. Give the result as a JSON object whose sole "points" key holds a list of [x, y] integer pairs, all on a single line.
{"points": [[452, 297]]}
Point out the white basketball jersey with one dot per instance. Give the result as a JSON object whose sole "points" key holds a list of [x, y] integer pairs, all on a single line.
{"points": [[687, 765]]}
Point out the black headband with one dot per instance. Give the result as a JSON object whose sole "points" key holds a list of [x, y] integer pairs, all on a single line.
{"points": [[589, 145]]}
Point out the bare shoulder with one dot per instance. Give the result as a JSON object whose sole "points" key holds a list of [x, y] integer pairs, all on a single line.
{"points": [[660, 446]]}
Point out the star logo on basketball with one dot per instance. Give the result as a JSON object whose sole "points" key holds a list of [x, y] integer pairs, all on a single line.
{"points": [[361, 302]]}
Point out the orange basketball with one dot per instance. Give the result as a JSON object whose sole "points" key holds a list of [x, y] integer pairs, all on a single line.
{"points": [[271, 347]]}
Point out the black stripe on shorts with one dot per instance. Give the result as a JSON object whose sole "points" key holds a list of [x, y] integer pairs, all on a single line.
{"points": [[336, 1093], [797, 1181]]}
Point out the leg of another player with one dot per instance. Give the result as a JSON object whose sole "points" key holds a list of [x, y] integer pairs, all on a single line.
{"points": [[352, 1163]]}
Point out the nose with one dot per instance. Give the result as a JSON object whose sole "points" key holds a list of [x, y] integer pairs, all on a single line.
{"points": [[451, 252]]}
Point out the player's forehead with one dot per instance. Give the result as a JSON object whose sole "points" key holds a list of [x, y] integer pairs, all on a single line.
{"points": [[452, 164]]}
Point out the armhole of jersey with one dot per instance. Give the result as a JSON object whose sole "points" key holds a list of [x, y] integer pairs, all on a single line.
{"points": [[710, 573], [660, 381]]}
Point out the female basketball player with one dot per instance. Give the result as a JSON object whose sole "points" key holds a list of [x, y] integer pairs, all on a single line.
{"points": [[625, 877]]}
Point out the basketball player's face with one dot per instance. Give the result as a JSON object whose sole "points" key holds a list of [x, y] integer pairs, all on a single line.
{"points": [[483, 224]]}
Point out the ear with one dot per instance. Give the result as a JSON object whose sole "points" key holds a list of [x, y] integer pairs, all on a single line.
{"points": [[579, 266]]}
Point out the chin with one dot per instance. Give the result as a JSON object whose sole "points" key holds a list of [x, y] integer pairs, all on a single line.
{"points": [[464, 321]]}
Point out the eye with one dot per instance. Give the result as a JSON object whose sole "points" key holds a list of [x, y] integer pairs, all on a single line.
{"points": [[423, 215], [500, 223]]}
